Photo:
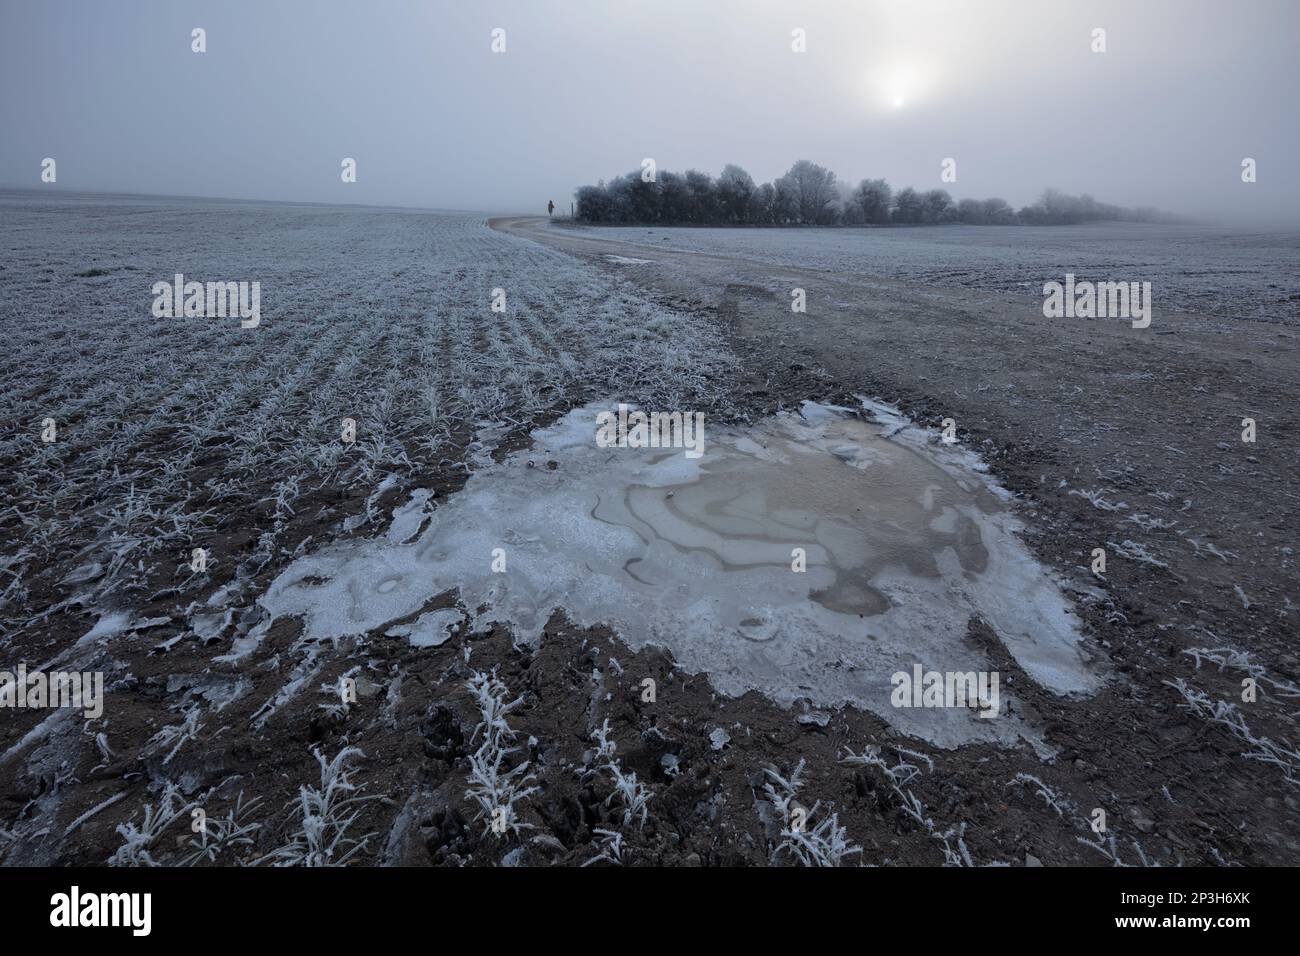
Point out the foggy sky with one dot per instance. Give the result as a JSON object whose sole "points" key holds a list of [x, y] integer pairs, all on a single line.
{"points": [[586, 90]]}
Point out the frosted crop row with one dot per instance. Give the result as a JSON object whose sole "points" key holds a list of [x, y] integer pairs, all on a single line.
{"points": [[171, 433], [156, 472]]}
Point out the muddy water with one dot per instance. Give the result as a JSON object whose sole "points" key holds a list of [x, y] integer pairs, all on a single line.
{"points": [[810, 556], [785, 487]]}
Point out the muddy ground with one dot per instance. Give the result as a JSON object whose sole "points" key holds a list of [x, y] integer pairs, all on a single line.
{"points": [[1200, 555]]}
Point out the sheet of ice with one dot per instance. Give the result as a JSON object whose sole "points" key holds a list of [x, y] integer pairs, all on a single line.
{"points": [[430, 629], [905, 540], [409, 518]]}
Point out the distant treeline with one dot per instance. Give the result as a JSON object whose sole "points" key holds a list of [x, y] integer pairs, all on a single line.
{"points": [[809, 194]]}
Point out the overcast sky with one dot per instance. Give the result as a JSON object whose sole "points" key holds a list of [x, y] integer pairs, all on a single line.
{"points": [[585, 90]]}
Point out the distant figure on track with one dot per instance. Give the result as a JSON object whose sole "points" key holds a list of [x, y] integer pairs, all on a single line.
{"points": [[550, 207]]}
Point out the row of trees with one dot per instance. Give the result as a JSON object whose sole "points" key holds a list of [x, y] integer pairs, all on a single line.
{"points": [[809, 194]]}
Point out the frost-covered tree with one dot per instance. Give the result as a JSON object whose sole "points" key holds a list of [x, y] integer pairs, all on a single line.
{"points": [[674, 198], [592, 203], [872, 198], [998, 212], [937, 207], [1057, 208], [642, 198], [735, 194], [908, 206], [971, 212], [809, 193], [703, 197], [762, 205]]}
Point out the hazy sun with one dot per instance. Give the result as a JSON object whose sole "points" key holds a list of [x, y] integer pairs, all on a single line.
{"points": [[899, 85]]}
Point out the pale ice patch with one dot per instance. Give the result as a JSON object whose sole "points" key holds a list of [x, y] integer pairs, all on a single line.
{"points": [[353, 522], [628, 260], [110, 624], [431, 629], [410, 517], [905, 540], [210, 625]]}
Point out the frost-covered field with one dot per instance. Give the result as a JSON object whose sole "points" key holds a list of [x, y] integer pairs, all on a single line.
{"points": [[349, 677], [130, 441], [1213, 271], [167, 428]]}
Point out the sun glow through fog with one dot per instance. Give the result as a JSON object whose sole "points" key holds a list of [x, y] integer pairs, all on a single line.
{"points": [[900, 85]]}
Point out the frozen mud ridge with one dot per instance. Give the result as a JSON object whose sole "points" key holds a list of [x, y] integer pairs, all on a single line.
{"points": [[905, 540]]}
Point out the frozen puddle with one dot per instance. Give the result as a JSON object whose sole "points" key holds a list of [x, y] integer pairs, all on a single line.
{"points": [[905, 540]]}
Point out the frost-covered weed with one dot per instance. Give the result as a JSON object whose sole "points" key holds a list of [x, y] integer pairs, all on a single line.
{"points": [[138, 842], [340, 705], [176, 735], [898, 776], [1285, 756], [1107, 847], [490, 695], [954, 855], [494, 789], [1058, 804], [1098, 500], [633, 796], [612, 849], [1231, 657], [1069, 811], [225, 837], [825, 844], [325, 814], [1137, 552]]}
